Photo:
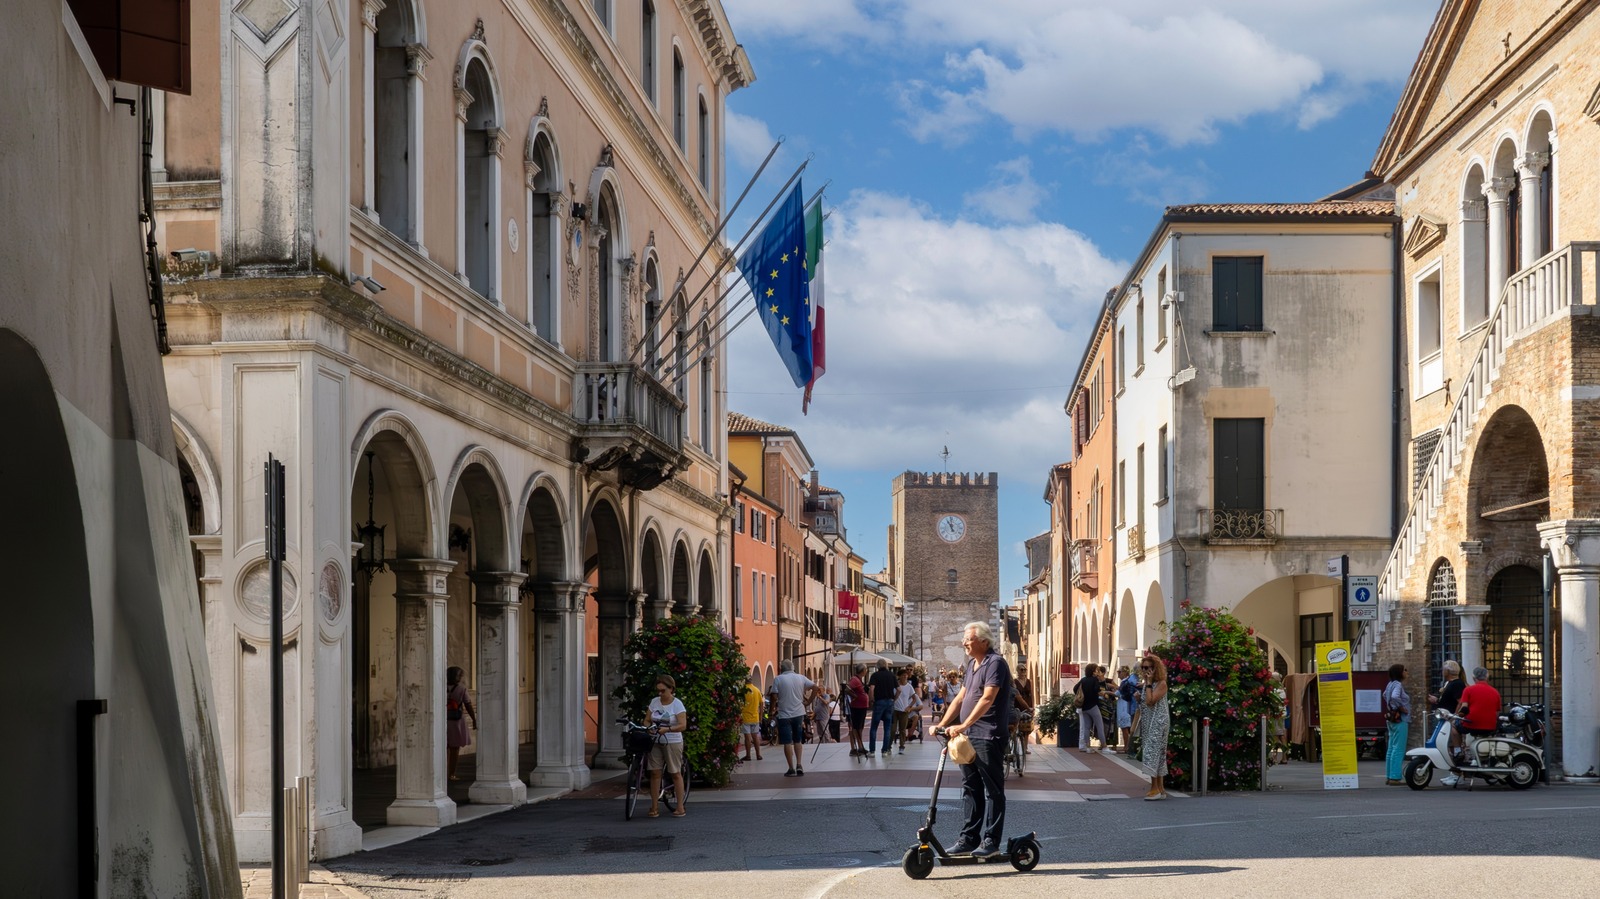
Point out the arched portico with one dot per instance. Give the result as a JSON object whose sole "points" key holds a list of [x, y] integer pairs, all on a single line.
{"points": [[706, 589], [605, 554], [682, 597], [556, 639], [652, 574]]}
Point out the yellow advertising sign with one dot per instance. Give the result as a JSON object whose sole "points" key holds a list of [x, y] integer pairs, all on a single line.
{"points": [[1337, 709]]}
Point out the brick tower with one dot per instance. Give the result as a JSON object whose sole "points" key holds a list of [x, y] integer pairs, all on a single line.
{"points": [[944, 559]]}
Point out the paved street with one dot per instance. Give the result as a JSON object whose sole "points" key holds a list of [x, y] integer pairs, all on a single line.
{"points": [[840, 832]]}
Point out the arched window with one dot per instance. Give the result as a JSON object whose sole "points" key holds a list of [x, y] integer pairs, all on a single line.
{"points": [[544, 238], [704, 147], [394, 141], [652, 316], [680, 349], [1444, 625], [647, 50], [1536, 174], [602, 8], [608, 230], [478, 179], [679, 126], [707, 397], [1474, 251]]}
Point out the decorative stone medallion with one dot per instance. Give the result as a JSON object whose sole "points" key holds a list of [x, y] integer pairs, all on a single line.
{"points": [[255, 588], [330, 592]]}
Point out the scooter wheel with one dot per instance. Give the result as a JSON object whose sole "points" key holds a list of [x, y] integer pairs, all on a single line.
{"points": [[1025, 855], [1523, 773], [917, 863], [1419, 772]]}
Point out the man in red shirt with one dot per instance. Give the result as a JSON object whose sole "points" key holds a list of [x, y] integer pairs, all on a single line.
{"points": [[1480, 706], [860, 701]]}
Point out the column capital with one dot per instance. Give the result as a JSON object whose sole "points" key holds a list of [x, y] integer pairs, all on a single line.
{"points": [[1472, 617], [620, 604], [420, 577], [1474, 209], [560, 596], [369, 13], [417, 59], [1574, 544], [497, 587], [1498, 190], [1530, 164]]}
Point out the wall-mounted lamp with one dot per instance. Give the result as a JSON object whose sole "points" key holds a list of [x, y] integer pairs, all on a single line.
{"points": [[371, 285], [370, 557]]}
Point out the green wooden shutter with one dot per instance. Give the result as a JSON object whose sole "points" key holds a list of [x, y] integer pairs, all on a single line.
{"points": [[1240, 463], [1224, 293], [1249, 287]]}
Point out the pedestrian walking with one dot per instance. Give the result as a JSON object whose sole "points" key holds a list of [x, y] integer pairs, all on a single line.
{"points": [[750, 719], [670, 719], [1127, 702], [883, 685], [457, 707], [1025, 694], [1397, 713], [905, 697], [982, 709], [860, 701], [794, 693], [1153, 723], [1088, 691]]}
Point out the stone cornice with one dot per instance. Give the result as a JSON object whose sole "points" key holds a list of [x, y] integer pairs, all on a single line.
{"points": [[1422, 233], [583, 51]]}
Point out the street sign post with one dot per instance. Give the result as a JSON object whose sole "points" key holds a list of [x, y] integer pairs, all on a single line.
{"points": [[1361, 598]]}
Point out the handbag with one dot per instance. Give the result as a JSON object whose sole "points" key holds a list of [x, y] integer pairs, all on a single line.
{"points": [[962, 752], [1391, 713]]}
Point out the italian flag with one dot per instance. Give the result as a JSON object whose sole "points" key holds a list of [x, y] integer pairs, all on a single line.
{"points": [[814, 273]]}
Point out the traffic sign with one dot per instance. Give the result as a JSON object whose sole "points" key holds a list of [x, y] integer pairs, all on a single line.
{"points": [[1336, 566], [1361, 602]]}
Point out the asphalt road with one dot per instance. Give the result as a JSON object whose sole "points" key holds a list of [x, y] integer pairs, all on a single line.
{"points": [[1372, 842]]}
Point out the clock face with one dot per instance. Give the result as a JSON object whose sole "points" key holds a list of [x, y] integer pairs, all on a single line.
{"points": [[952, 528]]}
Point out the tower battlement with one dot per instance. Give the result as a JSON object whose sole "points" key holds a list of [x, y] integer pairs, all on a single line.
{"points": [[949, 479]]}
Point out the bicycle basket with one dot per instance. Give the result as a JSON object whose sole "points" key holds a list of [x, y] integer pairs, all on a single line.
{"points": [[639, 742]]}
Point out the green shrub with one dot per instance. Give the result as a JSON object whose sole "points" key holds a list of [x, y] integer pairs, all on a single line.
{"points": [[1047, 716], [1216, 669], [709, 669]]}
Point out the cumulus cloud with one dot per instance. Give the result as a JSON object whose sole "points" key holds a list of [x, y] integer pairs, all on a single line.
{"points": [[748, 140], [822, 21], [941, 331], [1011, 196], [1088, 68]]}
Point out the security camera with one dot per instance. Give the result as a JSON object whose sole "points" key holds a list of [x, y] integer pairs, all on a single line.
{"points": [[364, 281], [192, 255]]}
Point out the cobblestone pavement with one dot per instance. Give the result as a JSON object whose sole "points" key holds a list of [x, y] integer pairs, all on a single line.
{"points": [[257, 880]]}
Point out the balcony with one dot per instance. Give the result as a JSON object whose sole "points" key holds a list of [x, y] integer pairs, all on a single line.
{"points": [[628, 421], [1241, 526], [1084, 565]]}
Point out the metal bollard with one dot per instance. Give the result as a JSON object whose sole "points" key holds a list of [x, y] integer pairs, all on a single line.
{"points": [[1205, 755], [302, 787], [1194, 755], [291, 839], [1263, 753]]}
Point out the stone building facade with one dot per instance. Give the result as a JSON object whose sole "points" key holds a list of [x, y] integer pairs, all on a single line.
{"points": [[1495, 160], [444, 260], [944, 555], [116, 778]]}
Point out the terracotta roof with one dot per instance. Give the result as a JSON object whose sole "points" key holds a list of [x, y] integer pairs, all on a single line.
{"points": [[739, 423], [1323, 209], [824, 489]]}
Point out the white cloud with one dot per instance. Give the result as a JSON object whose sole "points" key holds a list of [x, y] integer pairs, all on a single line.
{"points": [[821, 21], [1011, 196], [1086, 67], [940, 332], [748, 140]]}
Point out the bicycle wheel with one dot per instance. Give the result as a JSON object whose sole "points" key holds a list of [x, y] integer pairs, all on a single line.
{"points": [[635, 787], [1019, 751]]}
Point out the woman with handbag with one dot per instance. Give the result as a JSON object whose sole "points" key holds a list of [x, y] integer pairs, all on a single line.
{"points": [[457, 708], [1397, 712]]}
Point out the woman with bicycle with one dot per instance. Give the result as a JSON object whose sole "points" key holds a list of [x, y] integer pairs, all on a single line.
{"points": [[670, 719]]}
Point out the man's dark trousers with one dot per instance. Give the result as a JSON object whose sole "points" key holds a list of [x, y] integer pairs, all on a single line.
{"points": [[882, 710], [983, 794]]}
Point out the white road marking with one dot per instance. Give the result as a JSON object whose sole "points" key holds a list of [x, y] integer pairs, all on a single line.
{"points": [[1372, 815], [1196, 824], [1561, 808]]}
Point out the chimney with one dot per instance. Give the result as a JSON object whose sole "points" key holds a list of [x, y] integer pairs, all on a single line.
{"points": [[815, 490]]}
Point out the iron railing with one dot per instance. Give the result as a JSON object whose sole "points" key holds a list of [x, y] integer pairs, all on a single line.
{"points": [[1242, 524]]}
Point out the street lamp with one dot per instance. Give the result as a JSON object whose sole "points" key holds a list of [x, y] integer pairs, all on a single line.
{"points": [[370, 558]]}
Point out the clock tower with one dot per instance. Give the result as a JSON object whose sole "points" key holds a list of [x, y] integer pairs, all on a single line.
{"points": [[944, 560]]}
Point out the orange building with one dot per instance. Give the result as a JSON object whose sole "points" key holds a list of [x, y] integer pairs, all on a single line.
{"points": [[1091, 483], [753, 610]]}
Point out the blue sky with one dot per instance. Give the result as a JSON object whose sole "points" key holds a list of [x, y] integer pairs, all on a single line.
{"points": [[994, 168]]}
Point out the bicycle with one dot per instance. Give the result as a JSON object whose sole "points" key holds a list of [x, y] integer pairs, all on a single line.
{"points": [[1017, 744], [639, 739]]}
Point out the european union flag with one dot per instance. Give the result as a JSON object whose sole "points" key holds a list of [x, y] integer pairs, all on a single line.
{"points": [[775, 268]]}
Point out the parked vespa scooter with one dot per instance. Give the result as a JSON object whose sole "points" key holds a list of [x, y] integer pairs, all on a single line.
{"points": [[1512, 756]]}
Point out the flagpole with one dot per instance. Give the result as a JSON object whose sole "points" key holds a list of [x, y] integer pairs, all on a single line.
{"points": [[713, 348], [713, 307], [722, 263], [700, 341], [721, 226]]}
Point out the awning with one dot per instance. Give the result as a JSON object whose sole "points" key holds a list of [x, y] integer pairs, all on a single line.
{"points": [[896, 660], [859, 657]]}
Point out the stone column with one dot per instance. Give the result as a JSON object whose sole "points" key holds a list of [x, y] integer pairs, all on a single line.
{"points": [[1471, 638], [1574, 544], [618, 618], [656, 608], [1497, 191], [1529, 167], [563, 665], [497, 607], [420, 599]]}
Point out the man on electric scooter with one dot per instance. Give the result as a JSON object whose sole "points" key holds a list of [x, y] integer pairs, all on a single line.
{"points": [[1480, 706], [985, 720]]}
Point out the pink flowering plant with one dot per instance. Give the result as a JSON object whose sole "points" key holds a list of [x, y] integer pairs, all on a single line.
{"points": [[709, 669], [1216, 669]]}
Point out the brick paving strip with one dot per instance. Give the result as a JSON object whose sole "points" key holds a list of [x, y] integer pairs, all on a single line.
{"points": [[1050, 775]]}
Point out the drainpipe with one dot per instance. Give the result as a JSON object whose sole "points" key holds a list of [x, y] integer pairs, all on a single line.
{"points": [[1396, 391], [1174, 442]]}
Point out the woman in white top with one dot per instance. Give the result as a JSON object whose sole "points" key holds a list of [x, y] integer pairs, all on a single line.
{"points": [[670, 719]]}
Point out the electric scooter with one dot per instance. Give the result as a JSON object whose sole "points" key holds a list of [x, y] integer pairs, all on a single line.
{"points": [[1511, 756], [1022, 852]]}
